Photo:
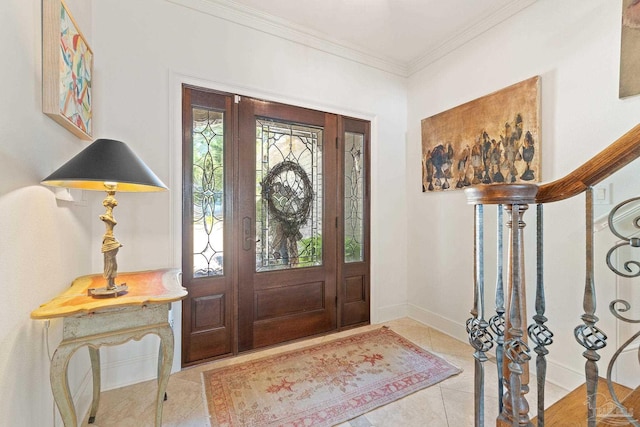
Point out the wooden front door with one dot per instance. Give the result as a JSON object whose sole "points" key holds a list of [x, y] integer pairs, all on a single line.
{"points": [[287, 210], [275, 223]]}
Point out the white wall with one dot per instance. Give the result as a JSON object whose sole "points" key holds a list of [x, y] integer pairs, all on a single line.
{"points": [[145, 49], [44, 243], [574, 46]]}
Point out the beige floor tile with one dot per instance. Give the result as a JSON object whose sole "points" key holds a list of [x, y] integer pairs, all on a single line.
{"points": [[361, 421], [423, 408], [459, 407], [449, 403], [135, 405], [196, 418], [412, 330], [444, 344]]}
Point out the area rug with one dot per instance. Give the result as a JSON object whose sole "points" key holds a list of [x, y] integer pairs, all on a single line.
{"points": [[321, 385]]}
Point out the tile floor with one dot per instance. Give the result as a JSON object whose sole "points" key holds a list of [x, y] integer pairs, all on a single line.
{"points": [[447, 404]]}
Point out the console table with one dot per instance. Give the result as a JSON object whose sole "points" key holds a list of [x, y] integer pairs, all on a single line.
{"points": [[94, 322]]}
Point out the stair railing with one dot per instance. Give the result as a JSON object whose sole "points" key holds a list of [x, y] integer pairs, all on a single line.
{"points": [[509, 324], [618, 307]]}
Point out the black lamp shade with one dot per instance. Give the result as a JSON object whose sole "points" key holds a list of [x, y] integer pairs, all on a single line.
{"points": [[106, 161]]}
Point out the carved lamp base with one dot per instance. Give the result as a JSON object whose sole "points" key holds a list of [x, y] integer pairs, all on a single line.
{"points": [[107, 292]]}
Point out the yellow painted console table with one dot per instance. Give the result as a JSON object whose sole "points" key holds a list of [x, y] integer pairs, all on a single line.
{"points": [[94, 322]]}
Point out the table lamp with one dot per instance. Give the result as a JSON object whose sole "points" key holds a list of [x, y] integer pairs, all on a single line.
{"points": [[107, 165]]}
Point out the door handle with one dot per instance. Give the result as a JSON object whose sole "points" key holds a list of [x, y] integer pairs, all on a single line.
{"points": [[247, 240]]}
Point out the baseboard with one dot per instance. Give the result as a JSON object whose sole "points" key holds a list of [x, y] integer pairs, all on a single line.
{"points": [[122, 373], [562, 375], [557, 373], [447, 326], [388, 313]]}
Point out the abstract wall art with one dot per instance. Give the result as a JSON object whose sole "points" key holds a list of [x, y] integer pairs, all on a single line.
{"points": [[67, 70], [492, 139]]}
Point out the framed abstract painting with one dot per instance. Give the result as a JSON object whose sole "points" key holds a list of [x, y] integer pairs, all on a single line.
{"points": [[629, 46], [67, 70], [492, 139]]}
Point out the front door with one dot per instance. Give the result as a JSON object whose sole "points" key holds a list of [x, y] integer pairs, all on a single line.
{"points": [[287, 211], [275, 223]]}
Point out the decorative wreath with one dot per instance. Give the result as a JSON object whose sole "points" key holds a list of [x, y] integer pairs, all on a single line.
{"points": [[289, 201]]}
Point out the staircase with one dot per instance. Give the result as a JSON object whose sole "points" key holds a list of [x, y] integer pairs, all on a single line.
{"points": [[510, 331], [566, 411]]}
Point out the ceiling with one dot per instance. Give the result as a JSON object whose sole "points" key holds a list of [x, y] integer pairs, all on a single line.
{"points": [[406, 35]]}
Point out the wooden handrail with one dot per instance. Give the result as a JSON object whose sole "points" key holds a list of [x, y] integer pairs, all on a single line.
{"points": [[501, 194], [613, 158]]}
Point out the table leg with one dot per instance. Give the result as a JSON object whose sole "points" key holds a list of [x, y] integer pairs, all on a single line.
{"points": [[60, 384], [165, 360], [94, 355], [159, 373]]}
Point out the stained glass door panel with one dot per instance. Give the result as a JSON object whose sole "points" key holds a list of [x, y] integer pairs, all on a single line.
{"points": [[354, 180], [288, 195], [208, 192]]}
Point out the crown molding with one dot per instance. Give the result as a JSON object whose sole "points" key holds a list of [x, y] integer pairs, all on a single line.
{"points": [[260, 21], [484, 24], [252, 18]]}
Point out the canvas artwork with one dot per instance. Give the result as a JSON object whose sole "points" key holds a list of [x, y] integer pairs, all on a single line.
{"points": [[493, 139], [629, 48], [67, 70]]}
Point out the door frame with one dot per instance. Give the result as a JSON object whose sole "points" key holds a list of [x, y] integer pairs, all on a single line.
{"points": [[177, 80]]}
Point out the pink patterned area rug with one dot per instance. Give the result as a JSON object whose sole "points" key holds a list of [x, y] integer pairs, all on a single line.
{"points": [[322, 385]]}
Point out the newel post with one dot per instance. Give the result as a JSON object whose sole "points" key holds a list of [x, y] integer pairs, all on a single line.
{"points": [[516, 199]]}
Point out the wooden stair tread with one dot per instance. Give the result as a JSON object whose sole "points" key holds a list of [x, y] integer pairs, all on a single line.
{"points": [[573, 407], [631, 404]]}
